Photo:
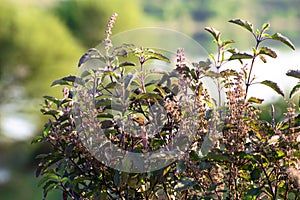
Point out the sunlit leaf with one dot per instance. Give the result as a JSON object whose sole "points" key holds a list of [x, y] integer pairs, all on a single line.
{"points": [[273, 85], [148, 96], [229, 72], [215, 33], [255, 100], [184, 183], [265, 27], [46, 131], [212, 74], [283, 39], [239, 56], [233, 50], [280, 154], [36, 139], [263, 58], [267, 51], [111, 85], [227, 42], [243, 24], [294, 73], [158, 56]]}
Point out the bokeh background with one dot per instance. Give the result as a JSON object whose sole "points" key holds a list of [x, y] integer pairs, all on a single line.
{"points": [[42, 40]]}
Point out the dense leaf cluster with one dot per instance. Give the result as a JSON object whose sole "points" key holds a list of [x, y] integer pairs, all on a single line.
{"points": [[232, 154]]}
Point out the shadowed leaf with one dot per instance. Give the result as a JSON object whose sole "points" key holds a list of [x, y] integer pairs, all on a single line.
{"points": [[243, 24], [274, 86], [68, 80], [294, 73], [123, 64], [295, 89]]}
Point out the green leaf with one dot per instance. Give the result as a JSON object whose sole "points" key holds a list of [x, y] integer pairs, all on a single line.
{"points": [[254, 192], [106, 124], [37, 139], [127, 80], [227, 42], [294, 73], [243, 24], [267, 51], [229, 72], [218, 157], [111, 85], [205, 165], [180, 167], [265, 27], [184, 183], [46, 131], [194, 155], [295, 89], [255, 100], [50, 186], [105, 115], [158, 56], [53, 112], [255, 174], [274, 86], [263, 58], [53, 99], [280, 154], [212, 74], [283, 39], [148, 96], [67, 81], [239, 56], [233, 50], [123, 64], [215, 33]]}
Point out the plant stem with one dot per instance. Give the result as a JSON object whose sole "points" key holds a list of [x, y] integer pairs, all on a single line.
{"points": [[251, 68]]}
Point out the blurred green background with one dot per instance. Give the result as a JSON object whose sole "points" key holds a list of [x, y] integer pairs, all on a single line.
{"points": [[42, 40]]}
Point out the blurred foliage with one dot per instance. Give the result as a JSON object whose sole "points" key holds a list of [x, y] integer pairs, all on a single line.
{"points": [[87, 19], [35, 47], [191, 16]]}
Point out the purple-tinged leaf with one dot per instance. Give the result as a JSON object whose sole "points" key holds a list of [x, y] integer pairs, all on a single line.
{"points": [[267, 51], [243, 23], [283, 39], [294, 73]]}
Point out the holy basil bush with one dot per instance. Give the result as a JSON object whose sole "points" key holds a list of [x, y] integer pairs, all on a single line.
{"points": [[248, 158]]}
